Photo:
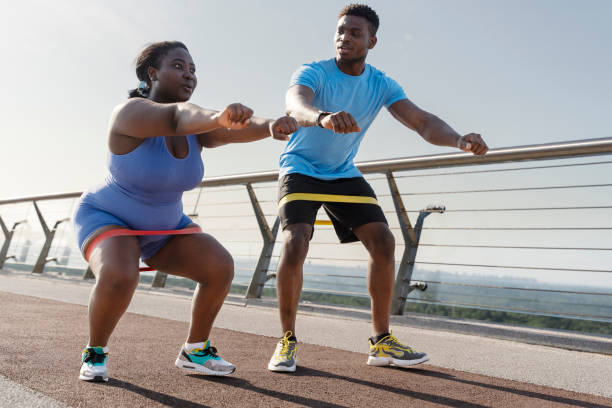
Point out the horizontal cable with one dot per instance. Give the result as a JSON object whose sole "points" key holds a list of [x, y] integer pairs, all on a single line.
{"points": [[224, 189], [473, 297], [272, 270], [597, 207], [474, 285], [335, 292], [339, 243], [226, 216], [503, 170], [228, 241], [517, 228], [226, 230], [325, 258], [275, 186], [497, 190], [538, 268], [342, 286], [337, 259], [222, 203], [333, 275], [234, 203], [240, 283], [514, 309], [246, 269], [516, 247]]}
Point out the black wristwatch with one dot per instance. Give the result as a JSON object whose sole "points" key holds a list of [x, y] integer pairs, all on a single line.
{"points": [[322, 114]]}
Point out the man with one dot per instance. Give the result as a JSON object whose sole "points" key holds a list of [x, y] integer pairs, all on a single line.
{"points": [[334, 102]]}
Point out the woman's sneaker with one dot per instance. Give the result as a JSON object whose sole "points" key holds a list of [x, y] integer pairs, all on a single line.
{"points": [[389, 351], [93, 364], [285, 355], [203, 360]]}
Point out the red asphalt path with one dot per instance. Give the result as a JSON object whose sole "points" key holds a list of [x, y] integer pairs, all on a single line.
{"points": [[41, 340]]}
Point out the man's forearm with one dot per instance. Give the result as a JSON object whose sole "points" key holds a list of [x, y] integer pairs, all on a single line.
{"points": [[304, 113], [438, 132]]}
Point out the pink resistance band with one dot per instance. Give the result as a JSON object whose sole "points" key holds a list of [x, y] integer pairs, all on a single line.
{"points": [[128, 232]]}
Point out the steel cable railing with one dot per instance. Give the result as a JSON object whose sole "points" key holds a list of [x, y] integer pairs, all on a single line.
{"points": [[489, 171], [504, 190], [517, 309], [534, 268], [330, 271], [514, 247], [573, 292], [518, 228]]}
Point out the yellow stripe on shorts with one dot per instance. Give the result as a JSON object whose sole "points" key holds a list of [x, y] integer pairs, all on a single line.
{"points": [[333, 198]]}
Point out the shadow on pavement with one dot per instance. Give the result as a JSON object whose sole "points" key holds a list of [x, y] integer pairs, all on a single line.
{"points": [[310, 372], [525, 393], [247, 385], [159, 397]]}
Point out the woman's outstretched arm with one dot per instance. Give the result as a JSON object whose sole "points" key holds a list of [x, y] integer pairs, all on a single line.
{"points": [[259, 128], [142, 118]]}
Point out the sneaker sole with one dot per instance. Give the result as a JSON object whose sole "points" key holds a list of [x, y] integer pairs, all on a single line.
{"points": [[187, 366], [386, 361], [97, 378], [284, 369]]}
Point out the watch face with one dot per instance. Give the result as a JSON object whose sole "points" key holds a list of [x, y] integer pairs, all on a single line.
{"points": [[322, 114]]}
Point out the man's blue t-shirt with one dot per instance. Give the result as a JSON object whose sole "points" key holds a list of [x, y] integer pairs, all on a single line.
{"points": [[321, 153]]}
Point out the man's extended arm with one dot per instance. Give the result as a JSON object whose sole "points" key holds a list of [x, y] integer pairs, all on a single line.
{"points": [[299, 106], [435, 130]]}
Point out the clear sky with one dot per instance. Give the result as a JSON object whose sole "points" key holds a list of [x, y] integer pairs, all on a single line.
{"points": [[519, 72]]}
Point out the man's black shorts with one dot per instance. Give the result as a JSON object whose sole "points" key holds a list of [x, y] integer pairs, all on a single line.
{"points": [[349, 203]]}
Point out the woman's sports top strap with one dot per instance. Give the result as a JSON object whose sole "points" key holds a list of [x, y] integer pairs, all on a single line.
{"points": [[128, 232]]}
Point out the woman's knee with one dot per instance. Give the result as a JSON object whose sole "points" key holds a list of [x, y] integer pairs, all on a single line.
{"points": [[220, 272], [117, 278], [226, 268]]}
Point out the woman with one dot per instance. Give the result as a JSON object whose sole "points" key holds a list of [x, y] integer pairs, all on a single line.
{"points": [[155, 139]]}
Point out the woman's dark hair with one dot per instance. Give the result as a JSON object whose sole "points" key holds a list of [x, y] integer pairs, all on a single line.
{"points": [[362, 10], [151, 57]]}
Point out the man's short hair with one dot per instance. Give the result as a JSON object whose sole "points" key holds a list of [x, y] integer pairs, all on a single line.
{"points": [[362, 10]]}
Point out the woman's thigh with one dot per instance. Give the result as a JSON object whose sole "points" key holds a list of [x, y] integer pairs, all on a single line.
{"points": [[116, 257], [199, 257]]}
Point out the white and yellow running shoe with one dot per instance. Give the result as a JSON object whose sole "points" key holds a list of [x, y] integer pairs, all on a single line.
{"points": [[285, 355], [389, 351]]}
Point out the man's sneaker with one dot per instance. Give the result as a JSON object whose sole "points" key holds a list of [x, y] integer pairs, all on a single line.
{"points": [[203, 360], [389, 351], [285, 355], [93, 365]]}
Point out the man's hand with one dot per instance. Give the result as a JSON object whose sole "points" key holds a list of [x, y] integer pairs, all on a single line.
{"points": [[236, 116], [340, 122], [472, 142], [282, 127]]}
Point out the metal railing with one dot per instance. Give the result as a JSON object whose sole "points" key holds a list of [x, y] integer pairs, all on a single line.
{"points": [[232, 220]]}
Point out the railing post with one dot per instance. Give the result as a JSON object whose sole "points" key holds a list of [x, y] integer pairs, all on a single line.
{"points": [[159, 280], [88, 274], [49, 234], [403, 285], [8, 236], [260, 275]]}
